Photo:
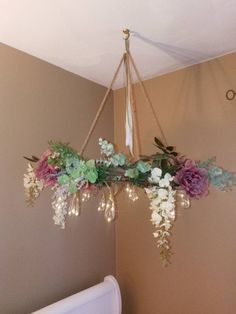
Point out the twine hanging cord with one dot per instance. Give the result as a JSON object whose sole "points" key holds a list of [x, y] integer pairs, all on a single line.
{"points": [[126, 55], [101, 107], [148, 99]]}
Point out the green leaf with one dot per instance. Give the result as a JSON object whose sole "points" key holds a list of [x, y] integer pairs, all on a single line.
{"points": [[158, 142], [82, 167], [92, 176], [76, 173], [143, 166], [160, 156], [72, 187], [64, 179], [132, 173], [102, 173], [164, 164], [207, 163], [118, 160], [90, 163]]}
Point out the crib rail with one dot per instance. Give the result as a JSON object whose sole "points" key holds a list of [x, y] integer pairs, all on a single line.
{"points": [[103, 298]]}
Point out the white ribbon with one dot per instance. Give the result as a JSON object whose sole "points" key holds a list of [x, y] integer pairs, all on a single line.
{"points": [[129, 137], [129, 126]]}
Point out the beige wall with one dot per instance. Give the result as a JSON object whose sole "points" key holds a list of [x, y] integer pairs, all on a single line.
{"points": [[199, 120], [39, 263]]}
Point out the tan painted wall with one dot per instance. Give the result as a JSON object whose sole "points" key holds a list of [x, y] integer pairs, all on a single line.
{"points": [[199, 120], [39, 263]]}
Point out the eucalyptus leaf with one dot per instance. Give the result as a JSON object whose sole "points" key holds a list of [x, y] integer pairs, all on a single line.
{"points": [[92, 176], [72, 187], [64, 179], [132, 173], [90, 163], [143, 166]]}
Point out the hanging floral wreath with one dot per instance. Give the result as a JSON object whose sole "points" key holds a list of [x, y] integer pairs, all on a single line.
{"points": [[167, 177]]}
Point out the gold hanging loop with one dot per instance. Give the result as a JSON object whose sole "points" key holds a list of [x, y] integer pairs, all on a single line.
{"points": [[126, 33]]}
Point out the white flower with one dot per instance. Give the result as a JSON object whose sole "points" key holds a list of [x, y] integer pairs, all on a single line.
{"points": [[168, 177], [106, 148], [155, 175], [167, 206], [156, 218], [32, 185], [156, 172], [151, 192], [164, 183], [156, 201], [60, 206], [162, 204], [162, 194], [154, 207], [171, 198], [156, 234], [27, 182]]}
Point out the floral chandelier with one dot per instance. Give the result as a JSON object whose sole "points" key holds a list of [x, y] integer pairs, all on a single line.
{"points": [[168, 178]]}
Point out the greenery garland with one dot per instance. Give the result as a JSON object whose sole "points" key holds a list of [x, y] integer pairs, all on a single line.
{"points": [[167, 177]]}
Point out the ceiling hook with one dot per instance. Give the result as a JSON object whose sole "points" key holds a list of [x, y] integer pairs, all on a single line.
{"points": [[126, 33], [126, 36]]}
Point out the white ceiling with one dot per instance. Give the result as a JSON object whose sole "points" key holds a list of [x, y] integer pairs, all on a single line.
{"points": [[85, 37]]}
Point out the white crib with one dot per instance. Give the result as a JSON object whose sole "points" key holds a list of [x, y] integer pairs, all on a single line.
{"points": [[103, 298]]}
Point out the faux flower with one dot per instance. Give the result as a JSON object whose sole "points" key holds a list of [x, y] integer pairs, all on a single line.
{"points": [[143, 166], [222, 179], [69, 175], [46, 172], [107, 148], [165, 182], [162, 205], [32, 185], [118, 160], [156, 218], [60, 206], [162, 194], [155, 175], [192, 179]]}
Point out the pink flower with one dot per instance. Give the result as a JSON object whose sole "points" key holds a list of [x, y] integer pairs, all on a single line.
{"points": [[192, 179], [45, 171]]}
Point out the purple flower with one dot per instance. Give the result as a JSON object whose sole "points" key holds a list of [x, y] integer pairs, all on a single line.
{"points": [[192, 179], [45, 171]]}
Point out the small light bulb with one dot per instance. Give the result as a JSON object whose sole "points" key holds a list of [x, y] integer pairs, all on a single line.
{"points": [[110, 213], [102, 203]]}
